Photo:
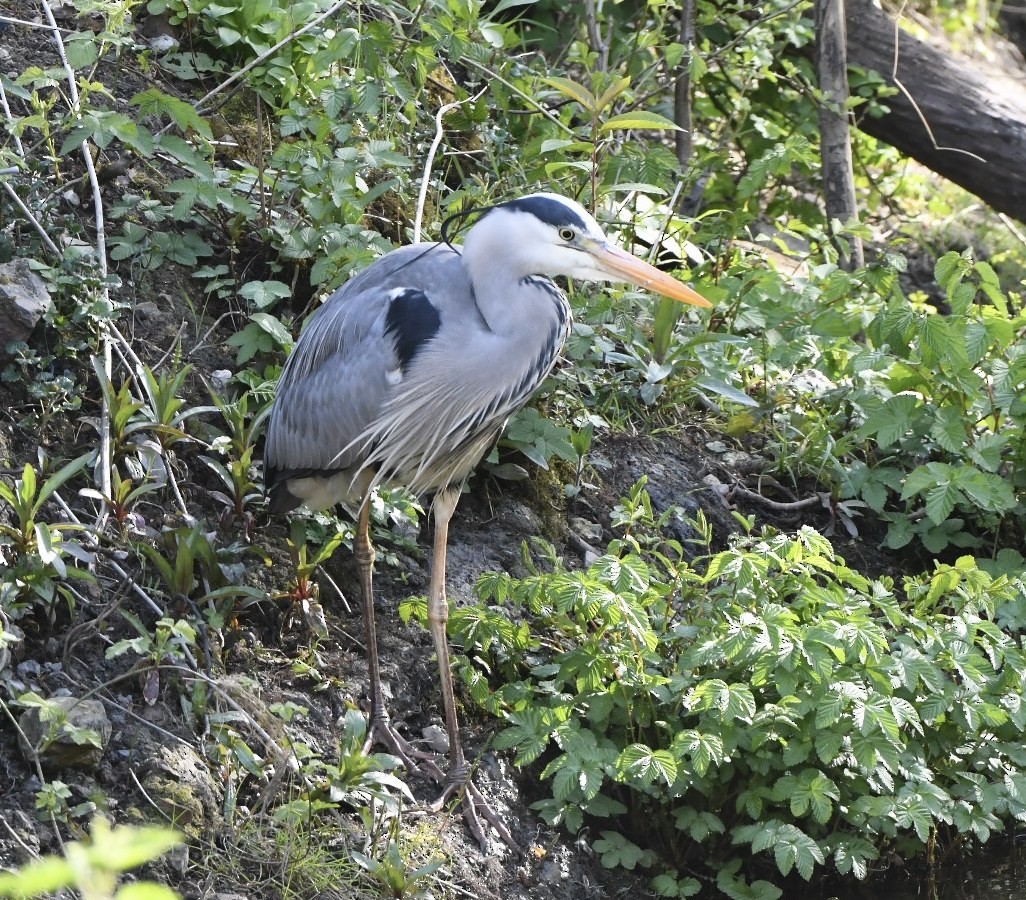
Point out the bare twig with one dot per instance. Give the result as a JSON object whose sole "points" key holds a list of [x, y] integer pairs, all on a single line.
{"points": [[682, 87], [104, 459], [32, 220], [14, 134], [776, 505], [484, 70], [429, 161], [911, 100], [600, 46], [1012, 227]]}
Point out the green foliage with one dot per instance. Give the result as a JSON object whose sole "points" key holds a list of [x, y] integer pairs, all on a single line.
{"points": [[94, 867], [394, 874], [844, 717], [764, 709], [38, 557]]}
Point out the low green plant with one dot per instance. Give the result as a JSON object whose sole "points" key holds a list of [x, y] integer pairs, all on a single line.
{"points": [[193, 567], [394, 874], [39, 558], [236, 448], [945, 414], [766, 699], [95, 867]]}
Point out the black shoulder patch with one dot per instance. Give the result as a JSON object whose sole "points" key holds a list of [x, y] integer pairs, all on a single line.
{"points": [[549, 210], [411, 321]]}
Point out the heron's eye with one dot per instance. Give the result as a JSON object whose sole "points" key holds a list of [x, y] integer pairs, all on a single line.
{"points": [[567, 234]]}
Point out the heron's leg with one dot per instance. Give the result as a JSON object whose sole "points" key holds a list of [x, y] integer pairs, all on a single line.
{"points": [[458, 777], [438, 615], [380, 725]]}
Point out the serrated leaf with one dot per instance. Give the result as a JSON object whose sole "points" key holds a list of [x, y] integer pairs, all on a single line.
{"points": [[948, 429], [948, 267], [989, 490], [155, 102]]}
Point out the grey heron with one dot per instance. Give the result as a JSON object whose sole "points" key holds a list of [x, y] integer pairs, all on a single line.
{"points": [[406, 376]]}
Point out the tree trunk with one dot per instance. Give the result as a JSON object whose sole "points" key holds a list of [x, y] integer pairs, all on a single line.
{"points": [[835, 136], [977, 119]]}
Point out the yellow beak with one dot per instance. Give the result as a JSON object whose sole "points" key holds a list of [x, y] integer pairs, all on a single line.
{"points": [[623, 266]]}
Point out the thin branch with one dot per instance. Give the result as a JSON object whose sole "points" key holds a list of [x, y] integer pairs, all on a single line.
{"points": [[33, 221], [911, 100], [429, 161], [600, 46], [104, 460], [474, 64], [14, 133], [793, 506]]}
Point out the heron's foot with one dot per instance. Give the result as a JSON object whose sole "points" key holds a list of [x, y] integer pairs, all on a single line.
{"points": [[474, 807], [382, 732]]}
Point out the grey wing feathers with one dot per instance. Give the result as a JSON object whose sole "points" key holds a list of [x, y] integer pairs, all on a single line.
{"points": [[343, 369]]}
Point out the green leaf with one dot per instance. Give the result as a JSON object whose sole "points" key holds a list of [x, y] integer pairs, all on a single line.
{"points": [[503, 5], [949, 429], [725, 390], [793, 848], [46, 876], [639, 119], [948, 268], [154, 102], [891, 421], [615, 850], [263, 294], [988, 490], [573, 90], [640, 763], [82, 50], [273, 327]]}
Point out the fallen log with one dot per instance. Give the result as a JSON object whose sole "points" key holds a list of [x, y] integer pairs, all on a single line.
{"points": [[976, 114]]}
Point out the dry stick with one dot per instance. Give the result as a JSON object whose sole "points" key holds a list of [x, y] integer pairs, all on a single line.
{"points": [[429, 161], [10, 118], [911, 100], [474, 64], [1012, 227], [38, 767], [777, 505], [19, 147], [93, 539], [600, 46], [104, 461], [27, 213]]}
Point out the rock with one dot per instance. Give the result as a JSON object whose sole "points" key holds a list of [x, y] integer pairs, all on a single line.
{"points": [[23, 300], [65, 733], [519, 518], [744, 463], [586, 529], [437, 738], [179, 783]]}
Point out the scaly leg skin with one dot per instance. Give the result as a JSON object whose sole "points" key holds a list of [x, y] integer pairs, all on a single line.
{"points": [[457, 781], [381, 729]]}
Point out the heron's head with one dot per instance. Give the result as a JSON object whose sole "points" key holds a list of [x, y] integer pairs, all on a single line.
{"points": [[546, 234]]}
